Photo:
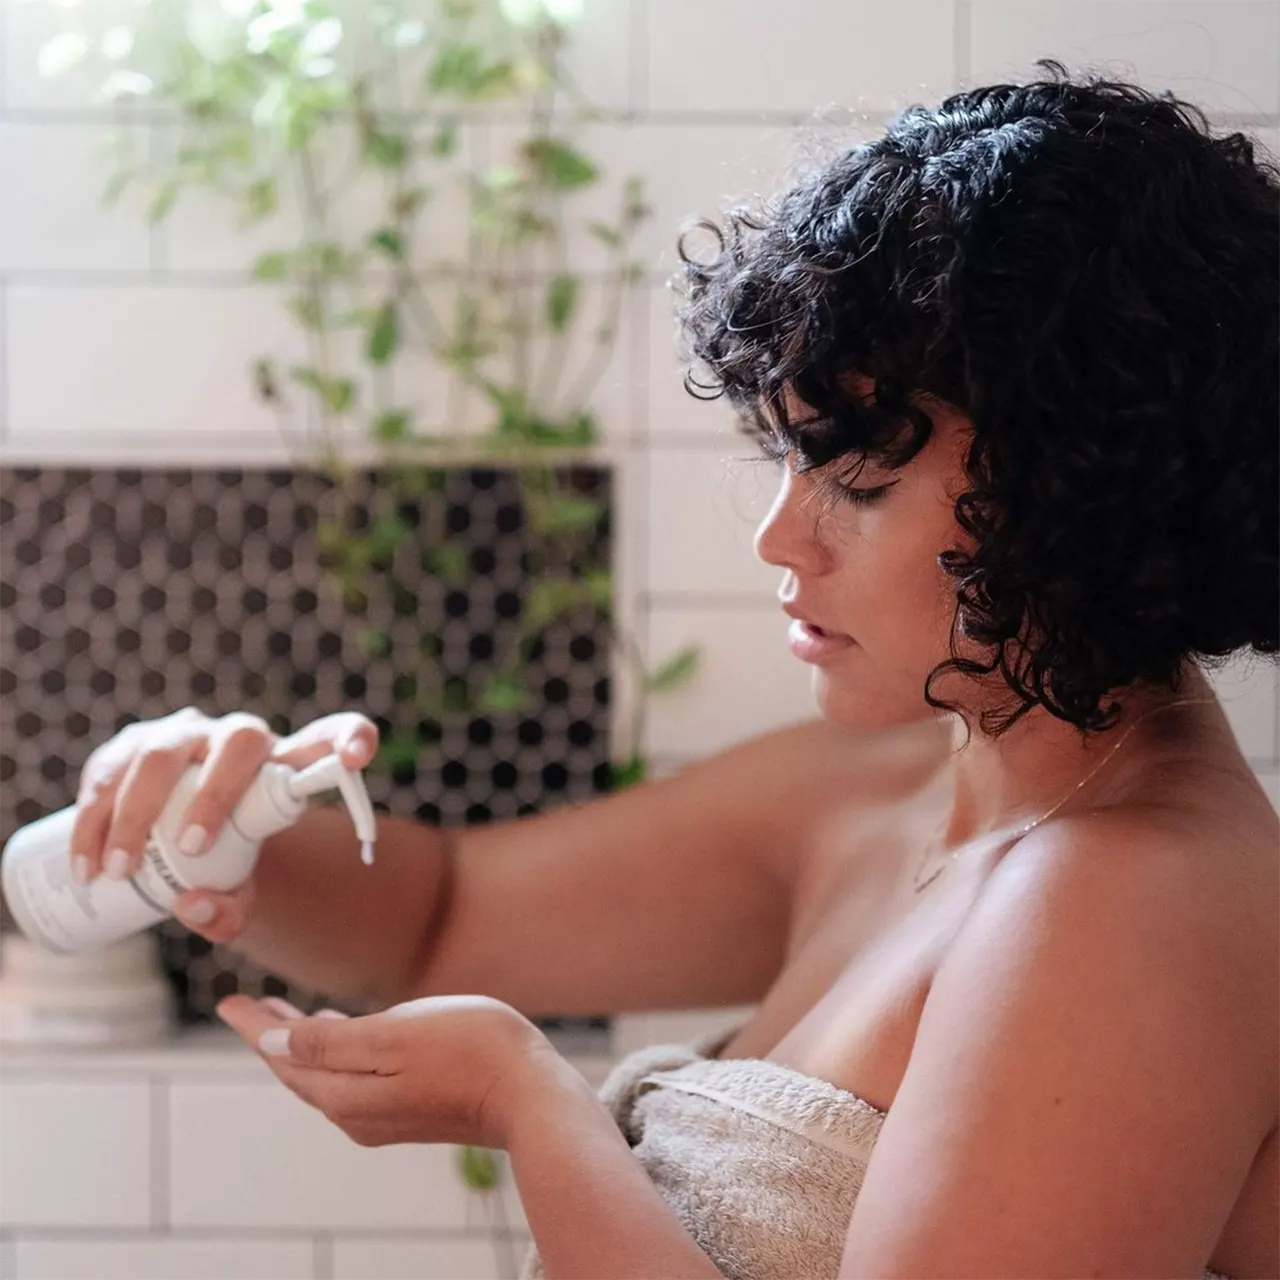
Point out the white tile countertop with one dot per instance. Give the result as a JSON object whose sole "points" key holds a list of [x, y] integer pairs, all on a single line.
{"points": [[188, 1161]]}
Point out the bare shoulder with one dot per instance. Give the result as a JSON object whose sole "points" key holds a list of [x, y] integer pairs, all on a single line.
{"points": [[1096, 1058], [1173, 896]]}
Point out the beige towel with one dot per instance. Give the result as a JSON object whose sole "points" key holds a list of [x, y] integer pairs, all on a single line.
{"points": [[761, 1164]]}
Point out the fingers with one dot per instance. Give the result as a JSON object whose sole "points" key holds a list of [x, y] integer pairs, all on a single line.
{"points": [[239, 745], [219, 917], [352, 736], [95, 803], [126, 782], [359, 1045], [141, 795], [94, 832], [278, 1004], [355, 1099]]}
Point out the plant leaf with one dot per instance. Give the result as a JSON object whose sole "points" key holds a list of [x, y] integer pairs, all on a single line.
{"points": [[561, 299], [164, 200], [399, 751], [389, 241], [604, 233], [503, 693], [627, 774], [599, 586], [675, 671], [260, 199], [376, 644], [450, 562], [558, 164], [384, 337], [388, 150], [549, 598], [385, 536], [445, 141], [308, 311], [116, 186], [478, 1167], [339, 394], [393, 425], [493, 81], [271, 266], [564, 515], [456, 69], [407, 203], [264, 380]]}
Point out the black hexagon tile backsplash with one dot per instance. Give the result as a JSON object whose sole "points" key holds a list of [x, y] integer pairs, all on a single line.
{"points": [[126, 594]]}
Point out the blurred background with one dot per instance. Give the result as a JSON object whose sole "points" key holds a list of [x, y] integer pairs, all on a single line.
{"points": [[286, 292]]}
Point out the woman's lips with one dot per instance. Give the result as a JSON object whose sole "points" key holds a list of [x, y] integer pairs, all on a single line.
{"points": [[812, 644]]}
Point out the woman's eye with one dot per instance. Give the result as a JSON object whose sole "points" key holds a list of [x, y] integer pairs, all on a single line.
{"points": [[864, 497]]}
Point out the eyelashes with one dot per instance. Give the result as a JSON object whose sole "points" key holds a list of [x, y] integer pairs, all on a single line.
{"points": [[832, 487], [859, 497]]}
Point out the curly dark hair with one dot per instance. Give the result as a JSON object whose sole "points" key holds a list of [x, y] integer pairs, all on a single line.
{"points": [[1090, 275]]}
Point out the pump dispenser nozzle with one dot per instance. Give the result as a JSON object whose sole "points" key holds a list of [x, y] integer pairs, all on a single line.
{"points": [[325, 775]]}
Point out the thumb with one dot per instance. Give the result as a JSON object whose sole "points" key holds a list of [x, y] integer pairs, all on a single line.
{"points": [[369, 1045], [220, 917]]}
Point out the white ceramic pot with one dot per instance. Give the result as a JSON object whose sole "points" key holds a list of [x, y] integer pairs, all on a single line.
{"points": [[113, 996]]}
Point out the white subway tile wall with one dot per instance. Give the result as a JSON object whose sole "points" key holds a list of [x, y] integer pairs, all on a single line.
{"points": [[412, 1259], [204, 1259], [123, 345], [297, 1169], [74, 1153]]}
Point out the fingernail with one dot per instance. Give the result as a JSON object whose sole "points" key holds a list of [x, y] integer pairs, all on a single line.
{"points": [[201, 911], [331, 1014], [117, 865], [192, 840], [80, 869], [282, 1007], [275, 1042]]}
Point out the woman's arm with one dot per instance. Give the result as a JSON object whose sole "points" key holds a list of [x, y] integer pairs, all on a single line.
{"points": [[1092, 1075], [472, 1070], [591, 1206]]}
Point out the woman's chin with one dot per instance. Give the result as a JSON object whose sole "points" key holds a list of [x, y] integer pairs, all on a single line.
{"points": [[846, 701]]}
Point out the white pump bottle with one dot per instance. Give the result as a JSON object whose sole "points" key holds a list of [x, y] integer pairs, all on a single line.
{"points": [[59, 915]]}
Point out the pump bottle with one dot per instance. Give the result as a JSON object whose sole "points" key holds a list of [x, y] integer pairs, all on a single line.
{"points": [[59, 915]]}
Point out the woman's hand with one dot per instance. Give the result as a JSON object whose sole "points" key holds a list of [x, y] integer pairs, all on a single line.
{"points": [[127, 780], [452, 1069]]}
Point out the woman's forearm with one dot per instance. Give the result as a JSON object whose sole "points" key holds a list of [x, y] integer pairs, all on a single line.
{"points": [[324, 920], [590, 1204]]}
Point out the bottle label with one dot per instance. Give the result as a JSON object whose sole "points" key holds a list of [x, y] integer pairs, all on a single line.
{"points": [[64, 916]]}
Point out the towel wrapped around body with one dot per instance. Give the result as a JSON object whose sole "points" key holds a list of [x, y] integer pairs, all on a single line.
{"points": [[761, 1164]]}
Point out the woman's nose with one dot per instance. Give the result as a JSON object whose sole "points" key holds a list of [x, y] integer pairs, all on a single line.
{"points": [[788, 535]]}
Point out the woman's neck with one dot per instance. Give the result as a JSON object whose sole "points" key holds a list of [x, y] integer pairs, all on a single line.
{"points": [[1011, 780]]}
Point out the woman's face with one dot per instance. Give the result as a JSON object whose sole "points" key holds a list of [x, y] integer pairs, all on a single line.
{"points": [[872, 609]]}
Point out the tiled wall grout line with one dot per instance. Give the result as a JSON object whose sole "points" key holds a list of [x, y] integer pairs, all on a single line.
{"points": [[159, 141], [322, 1256], [161, 1163], [124, 1235], [638, 55], [962, 49]]}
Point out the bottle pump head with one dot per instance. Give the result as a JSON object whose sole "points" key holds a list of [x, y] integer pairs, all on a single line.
{"points": [[325, 775]]}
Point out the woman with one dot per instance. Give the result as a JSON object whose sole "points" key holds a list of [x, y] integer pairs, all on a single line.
{"points": [[1009, 909]]}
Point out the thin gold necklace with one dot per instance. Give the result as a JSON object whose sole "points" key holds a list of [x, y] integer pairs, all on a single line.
{"points": [[1017, 835]]}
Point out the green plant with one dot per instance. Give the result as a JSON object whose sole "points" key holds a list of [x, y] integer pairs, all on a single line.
{"points": [[342, 126]]}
